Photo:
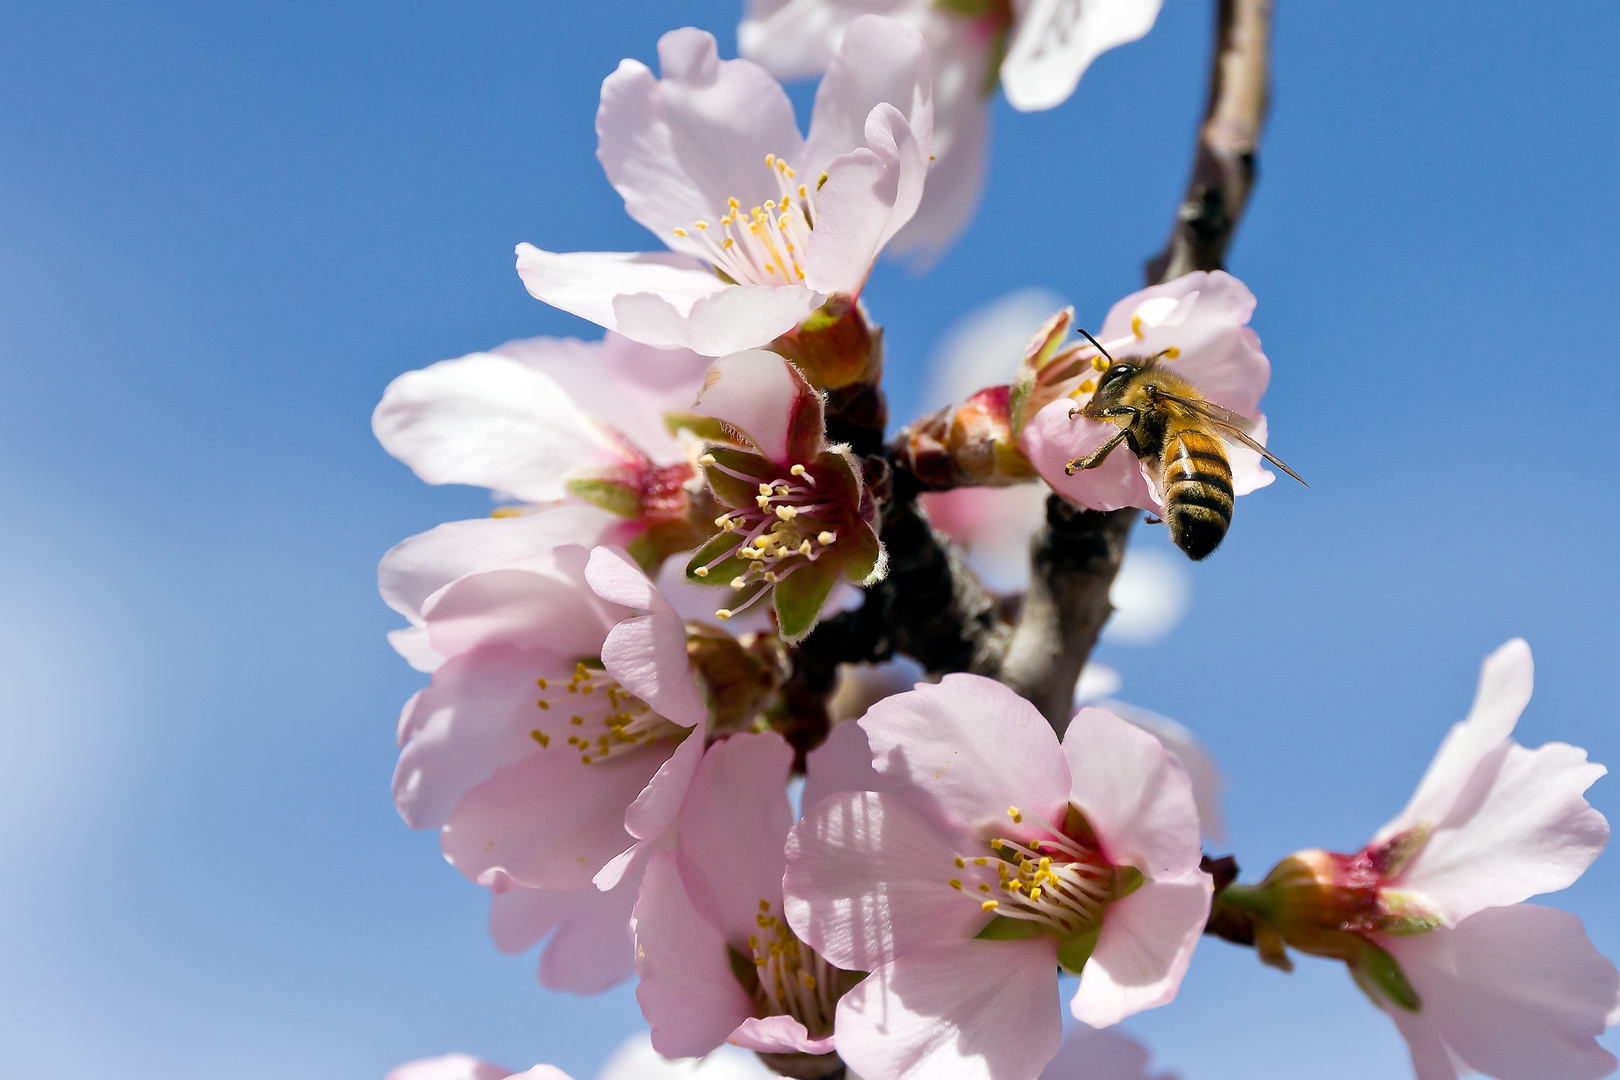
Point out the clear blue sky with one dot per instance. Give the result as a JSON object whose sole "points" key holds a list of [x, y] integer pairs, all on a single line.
{"points": [[224, 227]]}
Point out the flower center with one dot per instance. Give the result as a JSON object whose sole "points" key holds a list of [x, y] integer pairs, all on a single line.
{"points": [[1060, 884], [793, 978], [764, 245], [603, 718], [786, 528]]}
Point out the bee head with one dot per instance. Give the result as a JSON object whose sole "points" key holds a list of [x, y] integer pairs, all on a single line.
{"points": [[1113, 380]]}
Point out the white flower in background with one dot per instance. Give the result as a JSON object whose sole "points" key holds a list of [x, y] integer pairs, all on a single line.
{"points": [[1089, 1054], [764, 224], [1150, 596], [1038, 49], [635, 1059]]}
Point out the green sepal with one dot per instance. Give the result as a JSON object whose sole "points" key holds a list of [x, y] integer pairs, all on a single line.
{"points": [[746, 971], [1127, 879], [800, 597], [704, 427], [614, 496], [1380, 977], [1076, 827], [863, 555], [1018, 397], [729, 489], [723, 572], [1073, 952], [968, 9], [1002, 928]]}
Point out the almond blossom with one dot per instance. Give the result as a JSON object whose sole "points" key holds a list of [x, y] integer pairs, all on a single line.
{"points": [[1089, 1054], [992, 857], [1430, 917], [1197, 325], [1037, 49], [764, 225], [592, 439], [798, 516], [717, 959]]}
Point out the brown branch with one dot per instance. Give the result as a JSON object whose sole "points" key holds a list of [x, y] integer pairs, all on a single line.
{"points": [[1074, 558], [1228, 143]]}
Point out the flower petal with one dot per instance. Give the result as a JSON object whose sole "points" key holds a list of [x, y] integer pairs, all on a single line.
{"points": [[961, 148], [868, 879], [796, 39], [585, 283], [1516, 992], [590, 948], [537, 602], [1146, 943], [549, 821], [1089, 1054], [765, 398], [1134, 793], [733, 828], [1521, 827], [646, 654], [955, 1010], [868, 196], [1053, 438], [879, 61], [449, 1067], [416, 568], [677, 147], [736, 317], [635, 1059], [1056, 40], [491, 422], [655, 808], [779, 1035], [411, 642], [1505, 682], [687, 992], [1202, 771], [842, 763], [965, 750]]}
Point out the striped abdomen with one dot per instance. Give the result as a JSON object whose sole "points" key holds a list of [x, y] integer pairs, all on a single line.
{"points": [[1197, 490]]}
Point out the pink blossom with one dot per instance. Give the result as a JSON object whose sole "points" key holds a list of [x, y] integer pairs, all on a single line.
{"points": [[1089, 1054], [994, 855], [716, 902], [465, 1067], [1048, 45], [798, 516], [1202, 319], [1430, 916], [709, 157], [552, 747]]}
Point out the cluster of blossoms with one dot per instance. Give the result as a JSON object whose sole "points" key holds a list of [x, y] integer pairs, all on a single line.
{"points": [[624, 688]]}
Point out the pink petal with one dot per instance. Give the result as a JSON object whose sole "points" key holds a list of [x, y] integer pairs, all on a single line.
{"points": [[416, 568], [1055, 41], [654, 809], [449, 1067], [1202, 772], [1053, 438], [879, 61], [795, 39], [1135, 794], [735, 318], [1146, 943], [868, 879], [967, 749], [475, 718], [687, 992], [635, 1059], [679, 146], [585, 283], [733, 828], [961, 148], [1430, 1058], [537, 602], [1505, 683], [549, 821], [646, 654], [1521, 827], [765, 397], [868, 196], [1088, 1054], [1516, 992], [590, 948], [628, 385], [957, 1010], [842, 763], [491, 422], [411, 642], [779, 1035]]}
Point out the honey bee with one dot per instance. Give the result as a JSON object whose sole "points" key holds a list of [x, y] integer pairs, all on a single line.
{"points": [[1166, 422]]}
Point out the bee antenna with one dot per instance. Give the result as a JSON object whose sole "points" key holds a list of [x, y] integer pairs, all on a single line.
{"points": [[1095, 342]]}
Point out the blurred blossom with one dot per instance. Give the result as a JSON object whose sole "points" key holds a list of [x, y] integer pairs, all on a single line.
{"points": [[986, 346], [1089, 1054], [994, 526], [635, 1059], [1150, 597]]}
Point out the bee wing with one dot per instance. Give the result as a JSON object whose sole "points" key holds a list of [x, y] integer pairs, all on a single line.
{"points": [[1232, 425]]}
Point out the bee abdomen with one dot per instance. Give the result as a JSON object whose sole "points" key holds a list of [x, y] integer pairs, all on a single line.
{"points": [[1197, 491]]}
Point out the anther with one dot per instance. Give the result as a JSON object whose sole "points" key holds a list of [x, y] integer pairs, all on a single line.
{"points": [[702, 571]]}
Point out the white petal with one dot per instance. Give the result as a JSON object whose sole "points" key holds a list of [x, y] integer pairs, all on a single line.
{"points": [[795, 39], [449, 1067], [646, 654], [411, 642], [1056, 40], [585, 283], [1144, 949], [735, 318], [1202, 771], [679, 146], [879, 61], [1505, 683], [491, 422], [635, 1059], [1089, 1054], [766, 398]]}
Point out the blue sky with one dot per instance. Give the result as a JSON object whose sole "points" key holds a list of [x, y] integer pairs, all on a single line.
{"points": [[224, 227]]}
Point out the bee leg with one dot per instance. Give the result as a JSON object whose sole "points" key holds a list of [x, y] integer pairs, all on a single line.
{"points": [[1095, 458]]}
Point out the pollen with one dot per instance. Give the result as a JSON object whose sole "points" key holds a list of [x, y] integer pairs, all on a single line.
{"points": [[989, 905], [1013, 812], [1087, 387], [956, 883], [702, 571], [1099, 364], [960, 862], [1171, 353], [1136, 326]]}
